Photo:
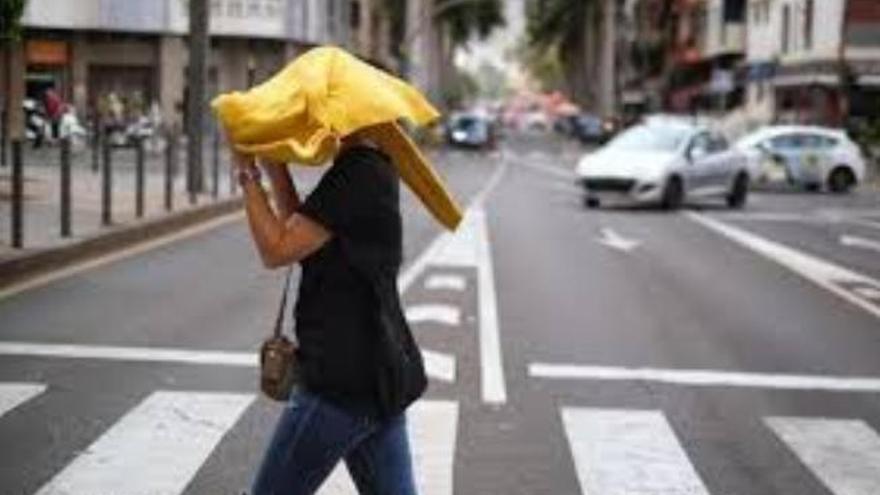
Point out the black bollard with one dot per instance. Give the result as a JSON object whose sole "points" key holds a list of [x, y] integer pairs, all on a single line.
{"points": [[65, 187], [170, 170], [107, 185], [139, 178], [96, 147], [215, 164], [17, 194], [4, 137]]}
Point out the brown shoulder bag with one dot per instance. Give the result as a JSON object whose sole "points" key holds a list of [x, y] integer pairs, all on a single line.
{"points": [[279, 366]]}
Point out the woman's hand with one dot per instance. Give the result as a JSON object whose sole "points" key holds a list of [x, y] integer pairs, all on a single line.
{"points": [[242, 161]]}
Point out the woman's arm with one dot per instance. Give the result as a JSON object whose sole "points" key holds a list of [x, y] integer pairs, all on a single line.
{"points": [[283, 190], [279, 242]]}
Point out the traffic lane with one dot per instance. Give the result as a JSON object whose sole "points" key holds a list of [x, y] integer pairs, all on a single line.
{"points": [[205, 292], [792, 200], [829, 239], [685, 298]]}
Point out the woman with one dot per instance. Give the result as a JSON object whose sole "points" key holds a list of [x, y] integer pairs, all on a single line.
{"points": [[347, 237]]}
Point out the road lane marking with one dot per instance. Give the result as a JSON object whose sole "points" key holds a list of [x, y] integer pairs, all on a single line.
{"points": [[155, 449], [470, 247], [843, 454], [706, 378], [446, 282], [628, 452], [434, 313], [113, 257], [467, 247], [13, 395], [616, 241], [437, 365], [432, 428], [832, 277], [861, 242]]}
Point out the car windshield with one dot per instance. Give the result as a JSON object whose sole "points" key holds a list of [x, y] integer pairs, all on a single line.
{"points": [[650, 138], [466, 123]]}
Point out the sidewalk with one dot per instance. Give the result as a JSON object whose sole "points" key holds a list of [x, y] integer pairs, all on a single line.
{"points": [[42, 204]]}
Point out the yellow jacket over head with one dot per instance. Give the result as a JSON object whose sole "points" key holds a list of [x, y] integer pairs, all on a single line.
{"points": [[300, 114]]}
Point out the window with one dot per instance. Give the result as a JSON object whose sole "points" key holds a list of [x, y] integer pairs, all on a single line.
{"points": [[809, 6], [786, 27]]}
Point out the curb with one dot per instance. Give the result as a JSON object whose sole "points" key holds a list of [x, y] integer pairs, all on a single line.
{"points": [[40, 261]]}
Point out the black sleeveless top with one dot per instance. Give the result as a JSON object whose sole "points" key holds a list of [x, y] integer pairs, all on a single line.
{"points": [[348, 302]]}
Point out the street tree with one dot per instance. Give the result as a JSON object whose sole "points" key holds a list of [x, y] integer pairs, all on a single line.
{"points": [[11, 12]]}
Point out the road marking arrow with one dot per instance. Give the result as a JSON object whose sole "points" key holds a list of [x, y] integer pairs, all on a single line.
{"points": [[852, 241], [614, 240]]}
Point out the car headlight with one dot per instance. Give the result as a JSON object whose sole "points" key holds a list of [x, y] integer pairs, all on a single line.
{"points": [[459, 135]]}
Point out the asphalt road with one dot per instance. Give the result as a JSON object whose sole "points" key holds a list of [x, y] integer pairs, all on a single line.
{"points": [[624, 351]]}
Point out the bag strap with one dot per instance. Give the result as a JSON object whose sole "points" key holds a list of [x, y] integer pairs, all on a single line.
{"points": [[279, 320]]}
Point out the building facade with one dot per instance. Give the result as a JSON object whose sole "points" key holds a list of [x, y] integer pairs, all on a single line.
{"points": [[90, 48], [813, 61]]}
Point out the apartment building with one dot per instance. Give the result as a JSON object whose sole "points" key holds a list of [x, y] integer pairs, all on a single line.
{"points": [[137, 49], [813, 61]]}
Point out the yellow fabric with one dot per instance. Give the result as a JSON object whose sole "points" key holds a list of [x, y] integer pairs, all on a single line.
{"points": [[300, 114]]}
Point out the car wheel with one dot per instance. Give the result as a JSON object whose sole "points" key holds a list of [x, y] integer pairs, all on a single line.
{"points": [[841, 180], [591, 202], [739, 192], [673, 194]]}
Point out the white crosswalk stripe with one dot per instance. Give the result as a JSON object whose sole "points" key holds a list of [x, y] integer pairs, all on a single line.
{"points": [[844, 454], [628, 452], [446, 282], [14, 394], [433, 427], [434, 313], [164, 441]]}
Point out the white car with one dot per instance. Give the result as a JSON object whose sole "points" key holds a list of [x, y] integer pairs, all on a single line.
{"points": [[664, 163], [814, 157]]}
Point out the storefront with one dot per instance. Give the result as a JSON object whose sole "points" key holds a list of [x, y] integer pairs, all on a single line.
{"points": [[47, 67]]}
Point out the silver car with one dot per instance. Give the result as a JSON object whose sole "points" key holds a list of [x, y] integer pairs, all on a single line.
{"points": [[664, 163]]}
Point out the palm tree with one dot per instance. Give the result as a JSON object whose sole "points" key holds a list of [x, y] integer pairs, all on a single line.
{"points": [[466, 19], [561, 26], [582, 36]]}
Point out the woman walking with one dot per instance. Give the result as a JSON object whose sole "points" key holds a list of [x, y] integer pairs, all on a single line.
{"points": [[359, 365]]}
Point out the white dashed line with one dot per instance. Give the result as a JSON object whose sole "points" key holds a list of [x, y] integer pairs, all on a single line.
{"points": [[446, 282], [434, 313]]}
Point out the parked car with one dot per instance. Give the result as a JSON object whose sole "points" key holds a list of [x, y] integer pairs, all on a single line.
{"points": [[586, 128], [814, 157], [470, 131], [666, 164]]}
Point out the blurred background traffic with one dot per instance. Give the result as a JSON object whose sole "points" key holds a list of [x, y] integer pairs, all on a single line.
{"points": [[792, 87]]}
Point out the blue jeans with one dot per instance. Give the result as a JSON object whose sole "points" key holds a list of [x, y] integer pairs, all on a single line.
{"points": [[312, 436]]}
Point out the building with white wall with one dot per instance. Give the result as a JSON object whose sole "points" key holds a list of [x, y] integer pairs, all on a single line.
{"points": [[814, 61]]}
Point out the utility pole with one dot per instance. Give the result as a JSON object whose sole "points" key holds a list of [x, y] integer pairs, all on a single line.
{"points": [[199, 14]]}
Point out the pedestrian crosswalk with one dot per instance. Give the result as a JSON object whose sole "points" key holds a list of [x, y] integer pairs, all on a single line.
{"points": [[159, 446]]}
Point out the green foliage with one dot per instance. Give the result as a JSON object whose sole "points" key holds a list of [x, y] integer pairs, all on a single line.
{"points": [[10, 18], [464, 88], [542, 64], [556, 22], [466, 19]]}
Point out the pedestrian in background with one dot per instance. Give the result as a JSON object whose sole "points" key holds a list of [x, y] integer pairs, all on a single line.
{"points": [[359, 363]]}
